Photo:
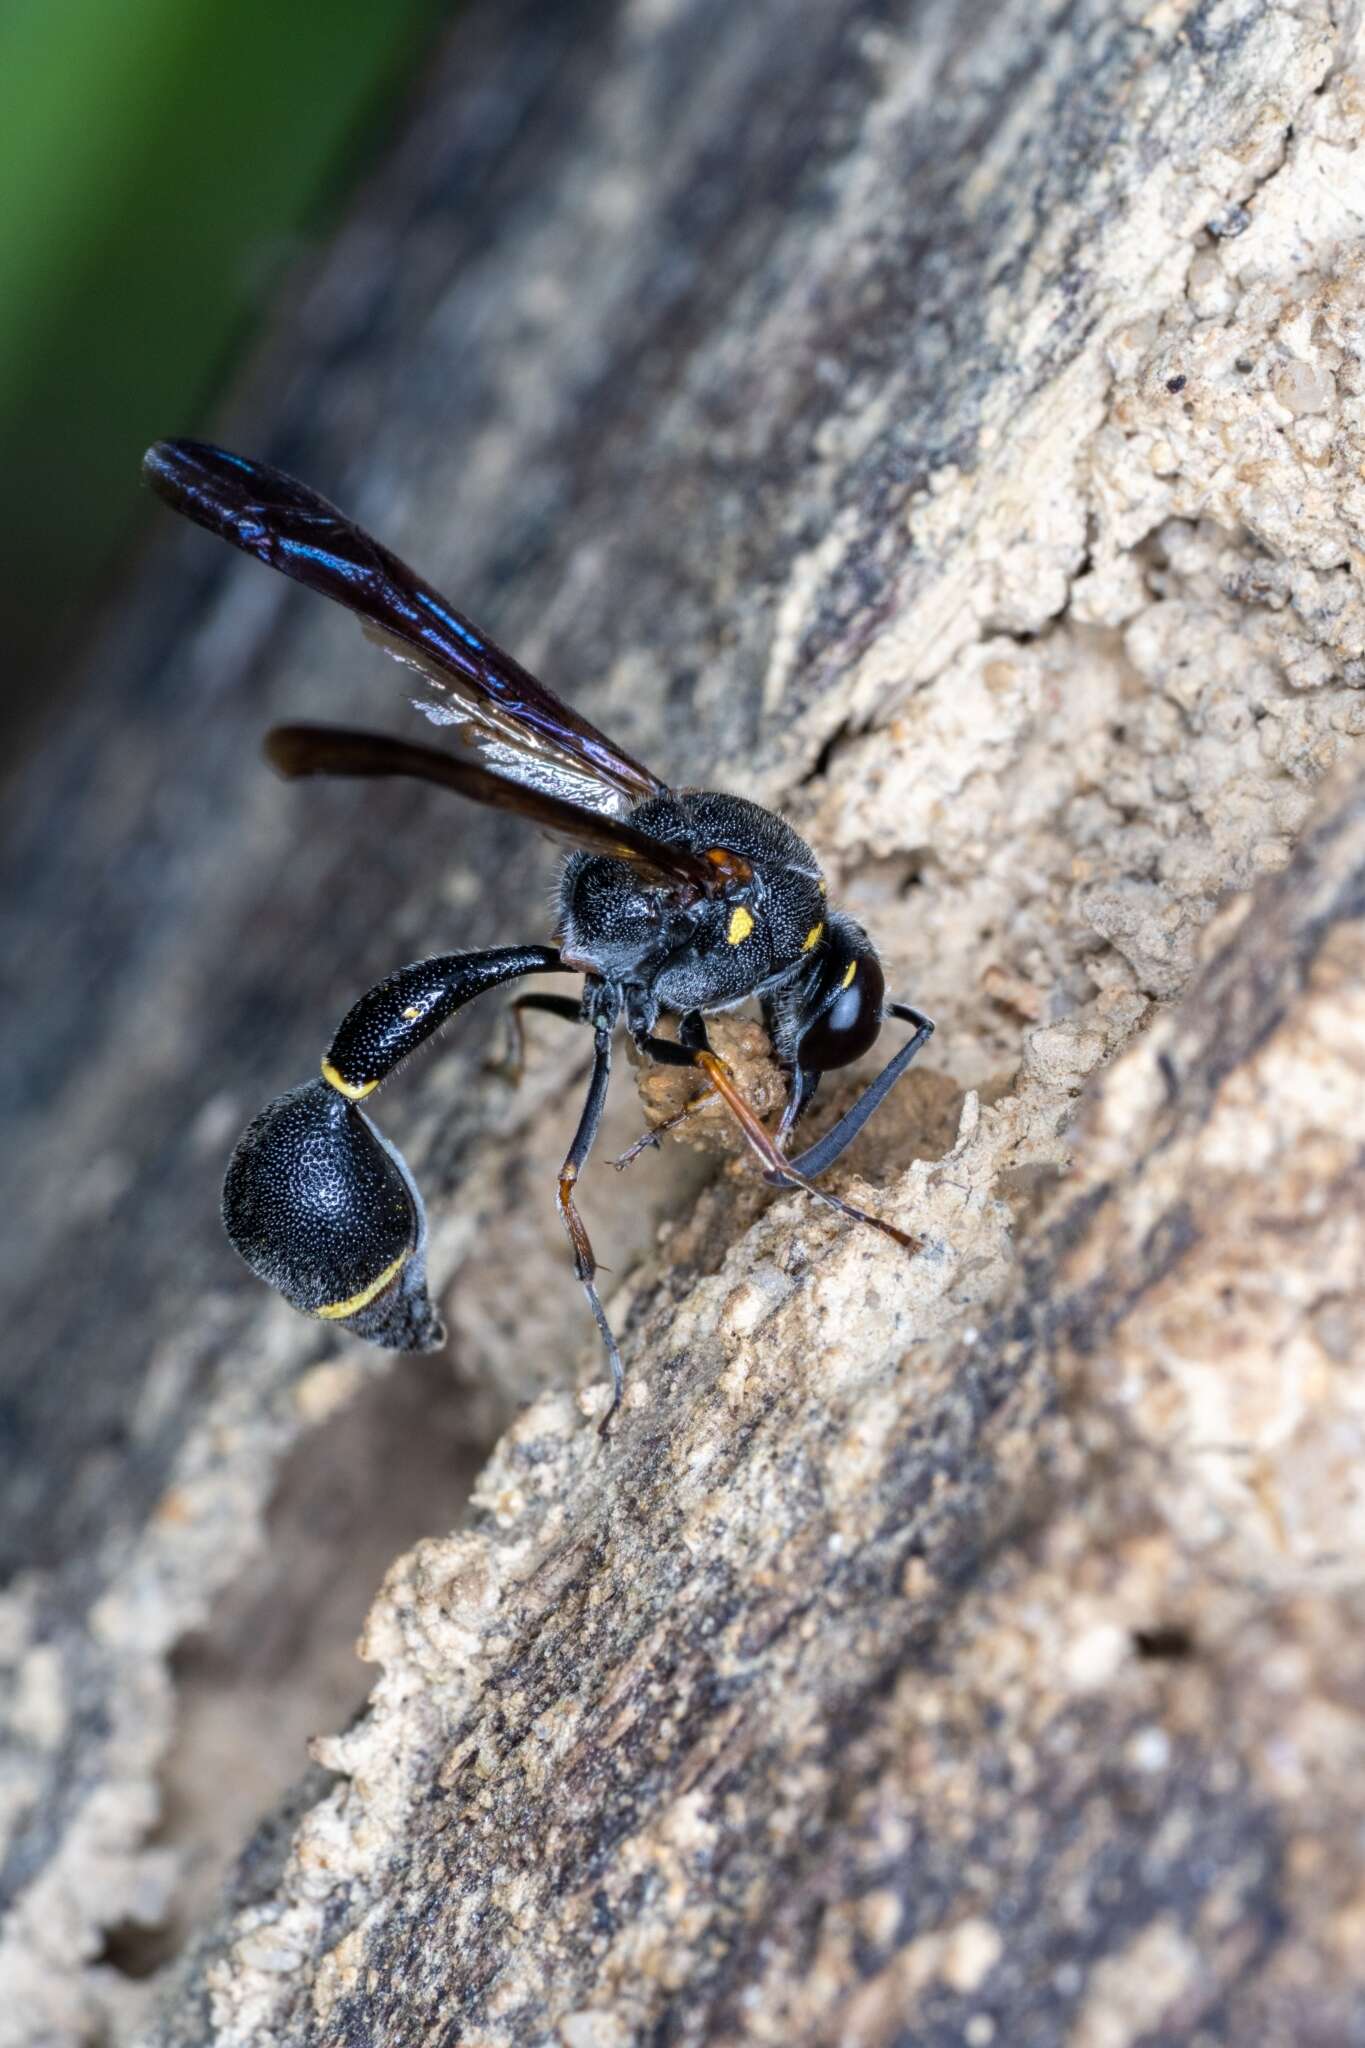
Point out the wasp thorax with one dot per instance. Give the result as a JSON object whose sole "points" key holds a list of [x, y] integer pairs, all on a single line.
{"points": [[697, 952], [325, 1210]]}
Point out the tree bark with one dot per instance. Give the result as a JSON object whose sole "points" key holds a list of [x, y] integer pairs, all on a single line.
{"points": [[942, 423]]}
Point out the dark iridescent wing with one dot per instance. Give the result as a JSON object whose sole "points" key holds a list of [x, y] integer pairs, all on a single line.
{"points": [[340, 750], [506, 712]]}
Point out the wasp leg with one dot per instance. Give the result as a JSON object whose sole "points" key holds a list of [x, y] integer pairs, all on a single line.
{"points": [[584, 1263], [781, 1172], [317, 1201], [692, 1032], [691, 1039], [510, 1067], [827, 1149], [803, 1086], [668, 1123]]}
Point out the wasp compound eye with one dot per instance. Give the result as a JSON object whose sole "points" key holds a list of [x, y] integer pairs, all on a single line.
{"points": [[326, 1211], [850, 1025]]}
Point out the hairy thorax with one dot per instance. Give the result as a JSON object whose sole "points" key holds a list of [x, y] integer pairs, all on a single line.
{"points": [[712, 952]]}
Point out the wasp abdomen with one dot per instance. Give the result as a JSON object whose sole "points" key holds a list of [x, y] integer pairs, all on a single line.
{"points": [[324, 1209], [401, 1012]]}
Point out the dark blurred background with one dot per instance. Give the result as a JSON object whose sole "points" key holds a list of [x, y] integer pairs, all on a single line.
{"points": [[163, 163]]}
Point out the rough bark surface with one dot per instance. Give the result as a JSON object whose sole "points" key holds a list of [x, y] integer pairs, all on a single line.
{"points": [[946, 423]]}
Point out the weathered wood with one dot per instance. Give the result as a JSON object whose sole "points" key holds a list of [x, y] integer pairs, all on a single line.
{"points": [[943, 421]]}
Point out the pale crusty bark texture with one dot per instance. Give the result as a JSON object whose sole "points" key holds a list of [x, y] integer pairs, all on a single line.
{"points": [[947, 423]]}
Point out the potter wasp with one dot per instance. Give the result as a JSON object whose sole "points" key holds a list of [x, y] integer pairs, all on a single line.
{"points": [[672, 901]]}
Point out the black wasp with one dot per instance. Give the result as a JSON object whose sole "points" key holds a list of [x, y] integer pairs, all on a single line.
{"points": [[686, 901]]}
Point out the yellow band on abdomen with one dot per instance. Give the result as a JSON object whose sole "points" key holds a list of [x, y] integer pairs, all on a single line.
{"points": [[337, 1311], [352, 1090]]}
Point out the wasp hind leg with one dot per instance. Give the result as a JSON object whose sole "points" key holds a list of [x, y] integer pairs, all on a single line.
{"points": [[513, 1062], [584, 1261]]}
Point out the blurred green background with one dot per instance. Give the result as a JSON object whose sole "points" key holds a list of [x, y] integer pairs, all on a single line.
{"points": [[161, 164]]}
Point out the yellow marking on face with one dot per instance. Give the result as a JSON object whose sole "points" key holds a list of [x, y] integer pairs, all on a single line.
{"points": [[354, 1091], [412, 1013], [741, 924], [813, 936], [852, 970], [337, 1311]]}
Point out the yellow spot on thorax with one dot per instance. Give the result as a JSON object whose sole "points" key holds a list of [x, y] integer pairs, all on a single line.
{"points": [[852, 970], [354, 1091], [741, 924], [337, 1311], [813, 936], [412, 1013]]}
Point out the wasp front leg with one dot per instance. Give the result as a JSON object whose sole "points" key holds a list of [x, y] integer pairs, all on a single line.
{"points": [[318, 1203]]}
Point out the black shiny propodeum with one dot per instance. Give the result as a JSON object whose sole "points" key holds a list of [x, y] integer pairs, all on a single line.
{"points": [[673, 902]]}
